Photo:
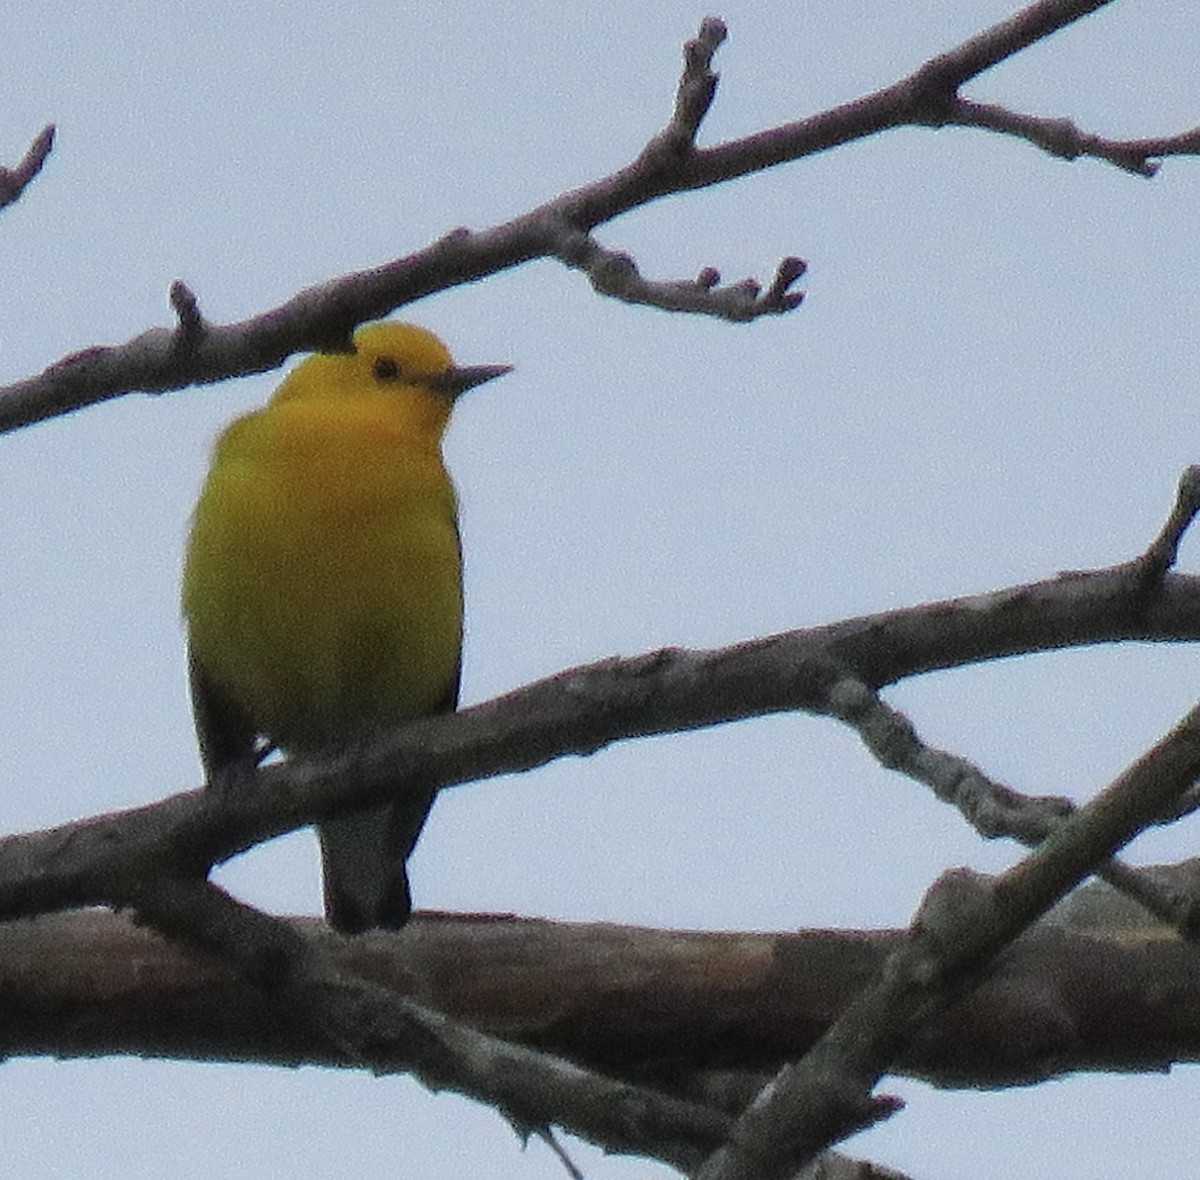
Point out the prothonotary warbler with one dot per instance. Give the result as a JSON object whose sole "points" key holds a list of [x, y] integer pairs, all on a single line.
{"points": [[322, 588]]}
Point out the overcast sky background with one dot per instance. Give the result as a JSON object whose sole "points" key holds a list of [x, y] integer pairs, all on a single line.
{"points": [[993, 379]]}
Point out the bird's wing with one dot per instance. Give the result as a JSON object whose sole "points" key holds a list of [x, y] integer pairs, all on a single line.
{"points": [[228, 743]]}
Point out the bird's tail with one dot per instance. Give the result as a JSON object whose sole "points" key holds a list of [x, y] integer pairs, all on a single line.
{"points": [[363, 858]]}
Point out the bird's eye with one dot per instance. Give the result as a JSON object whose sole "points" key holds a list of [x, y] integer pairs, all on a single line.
{"points": [[385, 369]]}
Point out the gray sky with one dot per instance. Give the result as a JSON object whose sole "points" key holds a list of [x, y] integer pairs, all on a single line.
{"points": [[992, 380]]}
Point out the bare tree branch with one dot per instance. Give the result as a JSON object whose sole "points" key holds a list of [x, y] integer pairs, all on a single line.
{"points": [[90, 983], [698, 86], [14, 181], [336, 1002], [531, 1088], [1062, 138], [1163, 551], [615, 273], [1010, 36], [995, 809], [965, 920], [672, 1027], [992, 808], [187, 310], [117, 859], [324, 316]]}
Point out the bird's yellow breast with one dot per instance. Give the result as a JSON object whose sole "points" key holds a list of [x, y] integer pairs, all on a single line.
{"points": [[323, 585]]}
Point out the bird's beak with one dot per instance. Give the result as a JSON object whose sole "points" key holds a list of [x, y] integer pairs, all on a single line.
{"points": [[459, 379]]}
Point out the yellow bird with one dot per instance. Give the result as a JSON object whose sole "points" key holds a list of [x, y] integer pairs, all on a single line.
{"points": [[322, 587]]}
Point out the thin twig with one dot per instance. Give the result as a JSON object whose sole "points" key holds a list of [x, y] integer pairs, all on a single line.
{"points": [[992, 808], [1163, 551], [14, 181], [393, 1034]]}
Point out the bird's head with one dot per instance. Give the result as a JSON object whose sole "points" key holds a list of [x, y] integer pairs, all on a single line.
{"points": [[399, 361]]}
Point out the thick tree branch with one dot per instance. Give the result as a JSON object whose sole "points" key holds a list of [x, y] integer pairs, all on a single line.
{"points": [[352, 1004], [325, 315], [114, 859], [698, 1018]]}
